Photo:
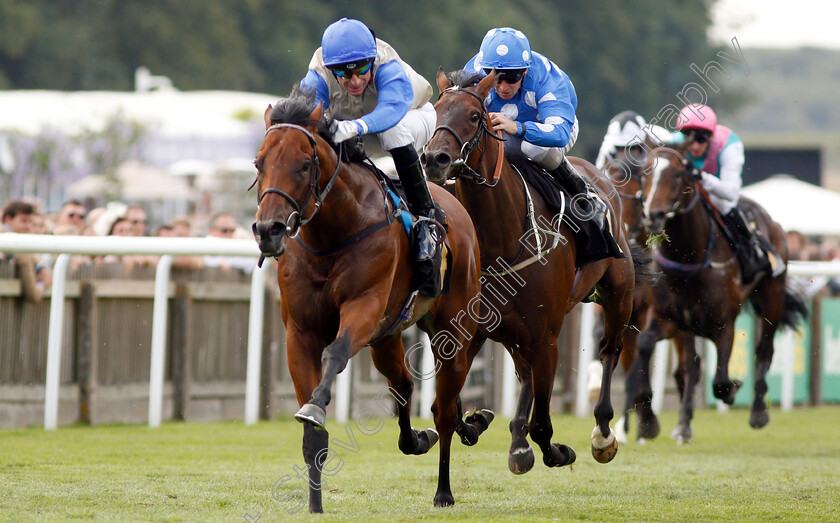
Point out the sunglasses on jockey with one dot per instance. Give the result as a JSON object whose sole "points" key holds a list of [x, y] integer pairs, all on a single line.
{"points": [[345, 71], [509, 76], [698, 136]]}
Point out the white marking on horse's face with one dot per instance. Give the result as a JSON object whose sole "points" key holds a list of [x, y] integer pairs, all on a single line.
{"points": [[659, 165]]}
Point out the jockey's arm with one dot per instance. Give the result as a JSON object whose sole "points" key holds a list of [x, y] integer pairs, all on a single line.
{"points": [[313, 80], [394, 98], [554, 104], [728, 186]]}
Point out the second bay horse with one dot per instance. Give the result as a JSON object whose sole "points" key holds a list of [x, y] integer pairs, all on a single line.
{"points": [[528, 263]]}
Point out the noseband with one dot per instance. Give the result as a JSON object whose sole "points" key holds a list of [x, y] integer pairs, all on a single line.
{"points": [[293, 228], [468, 147]]}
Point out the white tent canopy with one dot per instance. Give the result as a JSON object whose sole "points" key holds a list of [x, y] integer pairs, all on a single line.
{"points": [[797, 205]]}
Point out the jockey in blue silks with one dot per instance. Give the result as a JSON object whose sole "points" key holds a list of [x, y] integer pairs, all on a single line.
{"points": [[365, 86], [534, 102]]}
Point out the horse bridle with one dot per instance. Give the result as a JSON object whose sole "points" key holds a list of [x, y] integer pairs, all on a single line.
{"points": [[468, 147], [678, 208], [293, 228]]}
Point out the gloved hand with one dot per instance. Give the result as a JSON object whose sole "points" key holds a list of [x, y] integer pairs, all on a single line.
{"points": [[697, 174], [344, 130]]}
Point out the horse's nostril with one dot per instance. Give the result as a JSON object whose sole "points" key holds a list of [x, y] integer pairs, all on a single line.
{"points": [[443, 159], [277, 229]]}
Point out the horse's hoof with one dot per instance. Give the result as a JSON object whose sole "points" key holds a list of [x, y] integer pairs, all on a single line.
{"points": [[481, 419], [682, 434], [418, 442], [649, 427], [312, 414], [759, 419], [432, 435], [603, 449], [444, 499], [521, 461], [559, 455]]}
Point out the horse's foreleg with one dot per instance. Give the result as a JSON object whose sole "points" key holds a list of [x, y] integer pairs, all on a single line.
{"points": [[476, 422], [543, 367], [358, 320], [724, 388], [315, 452], [333, 360], [759, 416], [305, 372], [687, 375], [450, 380], [655, 330], [521, 455]]}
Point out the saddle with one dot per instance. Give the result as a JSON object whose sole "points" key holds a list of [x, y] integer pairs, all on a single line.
{"points": [[593, 243], [430, 279]]}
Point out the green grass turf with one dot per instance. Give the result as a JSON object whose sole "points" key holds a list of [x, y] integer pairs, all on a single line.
{"points": [[789, 470]]}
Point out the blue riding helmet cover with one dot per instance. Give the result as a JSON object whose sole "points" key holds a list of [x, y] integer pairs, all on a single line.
{"points": [[347, 41], [504, 48]]}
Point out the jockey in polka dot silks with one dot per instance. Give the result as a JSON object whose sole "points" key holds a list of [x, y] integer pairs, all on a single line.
{"points": [[534, 102]]}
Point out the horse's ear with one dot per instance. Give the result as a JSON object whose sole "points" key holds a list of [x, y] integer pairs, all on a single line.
{"points": [[318, 113], [443, 82], [485, 84], [267, 116]]}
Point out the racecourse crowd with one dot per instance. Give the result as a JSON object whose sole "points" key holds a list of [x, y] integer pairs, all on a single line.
{"points": [[114, 219], [119, 219]]}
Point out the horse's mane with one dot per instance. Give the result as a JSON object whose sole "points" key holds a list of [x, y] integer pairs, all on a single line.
{"points": [[296, 110], [464, 78]]}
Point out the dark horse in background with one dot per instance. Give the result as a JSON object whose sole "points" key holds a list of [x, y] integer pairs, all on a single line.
{"points": [[701, 292], [345, 281], [526, 249], [626, 169]]}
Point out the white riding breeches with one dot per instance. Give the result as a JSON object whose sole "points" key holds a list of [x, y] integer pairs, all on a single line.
{"points": [[416, 128], [548, 158]]}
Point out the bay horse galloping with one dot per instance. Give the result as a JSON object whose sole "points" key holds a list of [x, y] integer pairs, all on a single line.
{"points": [[701, 292], [346, 282], [508, 213]]}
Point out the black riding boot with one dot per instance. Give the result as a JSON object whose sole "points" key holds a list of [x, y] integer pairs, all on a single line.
{"points": [[420, 203], [751, 256], [592, 206]]}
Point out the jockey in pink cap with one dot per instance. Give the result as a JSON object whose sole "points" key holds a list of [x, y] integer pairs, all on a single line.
{"points": [[716, 156]]}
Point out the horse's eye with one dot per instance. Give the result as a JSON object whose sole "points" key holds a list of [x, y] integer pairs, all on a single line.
{"points": [[474, 117], [306, 166]]}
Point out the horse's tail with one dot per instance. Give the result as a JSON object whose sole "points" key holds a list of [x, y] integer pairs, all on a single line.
{"points": [[643, 264], [796, 311]]}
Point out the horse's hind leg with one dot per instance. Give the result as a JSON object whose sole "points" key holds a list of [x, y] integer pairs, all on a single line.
{"points": [[687, 375], [521, 455], [389, 358]]}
